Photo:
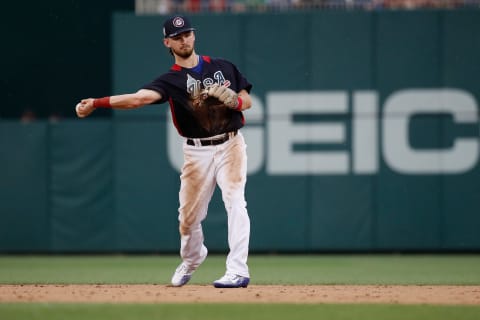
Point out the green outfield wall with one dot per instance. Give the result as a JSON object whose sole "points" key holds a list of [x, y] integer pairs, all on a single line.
{"points": [[363, 136]]}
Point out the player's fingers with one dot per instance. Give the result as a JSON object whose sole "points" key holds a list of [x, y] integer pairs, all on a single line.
{"points": [[87, 102], [79, 110], [83, 108], [215, 90], [213, 86], [209, 89], [226, 95], [219, 91]]}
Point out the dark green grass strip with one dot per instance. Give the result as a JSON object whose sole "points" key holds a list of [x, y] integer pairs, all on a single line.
{"points": [[236, 311]]}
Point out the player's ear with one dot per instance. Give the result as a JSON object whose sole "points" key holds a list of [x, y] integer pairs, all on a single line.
{"points": [[166, 42]]}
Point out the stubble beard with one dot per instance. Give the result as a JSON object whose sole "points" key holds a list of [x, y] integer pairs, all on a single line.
{"points": [[184, 53]]}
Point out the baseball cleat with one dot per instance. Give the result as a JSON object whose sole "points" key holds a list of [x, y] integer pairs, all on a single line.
{"points": [[231, 281], [182, 275]]}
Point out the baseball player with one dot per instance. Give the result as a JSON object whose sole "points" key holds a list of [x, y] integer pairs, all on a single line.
{"points": [[206, 96]]}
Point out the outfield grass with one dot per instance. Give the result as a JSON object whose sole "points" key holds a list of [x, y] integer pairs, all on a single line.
{"points": [[314, 269]]}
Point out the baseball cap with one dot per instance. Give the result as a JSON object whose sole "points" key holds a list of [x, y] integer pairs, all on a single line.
{"points": [[176, 25]]}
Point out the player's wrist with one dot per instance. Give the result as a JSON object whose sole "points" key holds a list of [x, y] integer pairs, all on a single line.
{"points": [[102, 102], [239, 104]]}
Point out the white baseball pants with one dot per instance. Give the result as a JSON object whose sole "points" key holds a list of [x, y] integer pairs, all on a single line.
{"points": [[204, 167]]}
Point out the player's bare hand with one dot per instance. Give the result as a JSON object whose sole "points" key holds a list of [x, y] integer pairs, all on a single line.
{"points": [[225, 95], [84, 108]]}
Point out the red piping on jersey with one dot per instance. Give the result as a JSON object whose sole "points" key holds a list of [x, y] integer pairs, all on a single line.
{"points": [[206, 59], [174, 118], [176, 67]]}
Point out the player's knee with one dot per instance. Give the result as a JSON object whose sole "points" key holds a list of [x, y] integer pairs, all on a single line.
{"points": [[185, 227], [184, 230]]}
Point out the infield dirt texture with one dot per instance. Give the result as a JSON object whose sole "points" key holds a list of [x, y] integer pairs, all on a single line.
{"points": [[391, 294]]}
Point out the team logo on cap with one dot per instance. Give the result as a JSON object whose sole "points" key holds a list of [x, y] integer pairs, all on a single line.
{"points": [[178, 22]]}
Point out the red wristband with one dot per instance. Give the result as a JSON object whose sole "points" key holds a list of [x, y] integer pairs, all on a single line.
{"points": [[239, 106], [102, 102]]}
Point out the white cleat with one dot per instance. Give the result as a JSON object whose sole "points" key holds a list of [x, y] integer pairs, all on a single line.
{"points": [[182, 275], [231, 281]]}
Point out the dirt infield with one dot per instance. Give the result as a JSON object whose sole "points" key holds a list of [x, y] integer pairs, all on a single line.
{"points": [[412, 294]]}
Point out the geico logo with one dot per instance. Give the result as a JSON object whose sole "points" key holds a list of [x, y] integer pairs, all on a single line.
{"points": [[275, 140]]}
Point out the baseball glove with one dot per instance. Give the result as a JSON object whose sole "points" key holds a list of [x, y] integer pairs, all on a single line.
{"points": [[225, 95], [199, 99]]}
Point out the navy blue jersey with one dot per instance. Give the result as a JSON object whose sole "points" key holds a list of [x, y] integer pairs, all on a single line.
{"points": [[179, 85]]}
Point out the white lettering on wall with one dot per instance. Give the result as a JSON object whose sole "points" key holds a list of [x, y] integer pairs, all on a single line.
{"points": [[365, 132], [283, 133], [401, 106]]}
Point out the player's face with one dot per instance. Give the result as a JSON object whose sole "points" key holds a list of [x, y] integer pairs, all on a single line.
{"points": [[182, 44]]}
